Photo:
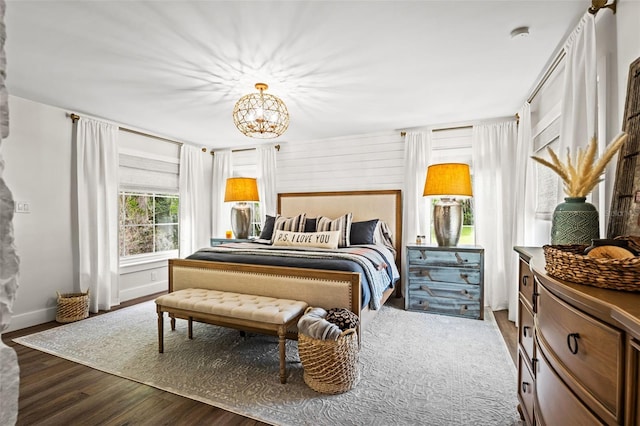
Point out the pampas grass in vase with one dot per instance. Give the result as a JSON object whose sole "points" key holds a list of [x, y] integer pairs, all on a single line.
{"points": [[575, 221]]}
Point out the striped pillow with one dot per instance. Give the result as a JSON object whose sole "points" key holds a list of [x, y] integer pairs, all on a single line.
{"points": [[293, 224], [342, 224]]}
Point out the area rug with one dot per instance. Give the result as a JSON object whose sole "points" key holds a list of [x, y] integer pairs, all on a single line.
{"points": [[416, 368]]}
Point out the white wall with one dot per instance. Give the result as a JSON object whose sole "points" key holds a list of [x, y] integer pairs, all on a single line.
{"points": [[38, 171], [628, 41], [373, 161]]}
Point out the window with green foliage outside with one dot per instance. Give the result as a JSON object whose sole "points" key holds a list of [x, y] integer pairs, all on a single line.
{"points": [[148, 223]]}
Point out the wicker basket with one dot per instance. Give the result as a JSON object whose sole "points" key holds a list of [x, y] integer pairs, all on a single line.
{"points": [[330, 366], [72, 307], [570, 264]]}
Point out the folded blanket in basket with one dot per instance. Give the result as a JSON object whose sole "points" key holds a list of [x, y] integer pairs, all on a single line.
{"points": [[313, 324]]}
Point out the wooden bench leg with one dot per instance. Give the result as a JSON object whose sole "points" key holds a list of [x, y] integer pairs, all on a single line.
{"points": [[190, 328], [160, 330], [282, 331]]}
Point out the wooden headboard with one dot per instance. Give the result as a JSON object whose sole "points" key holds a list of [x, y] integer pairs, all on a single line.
{"points": [[385, 205]]}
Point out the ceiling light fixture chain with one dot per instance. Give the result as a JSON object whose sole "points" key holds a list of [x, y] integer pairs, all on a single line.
{"points": [[261, 115]]}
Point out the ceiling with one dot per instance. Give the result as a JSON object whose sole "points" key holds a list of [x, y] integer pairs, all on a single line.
{"points": [[176, 68]]}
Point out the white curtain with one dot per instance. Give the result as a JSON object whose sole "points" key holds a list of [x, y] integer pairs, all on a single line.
{"points": [[267, 181], [220, 211], [494, 160], [97, 192], [523, 207], [416, 216], [578, 121], [193, 201]]}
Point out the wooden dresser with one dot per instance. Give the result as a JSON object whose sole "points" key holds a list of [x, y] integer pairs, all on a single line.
{"points": [[578, 350], [445, 280]]}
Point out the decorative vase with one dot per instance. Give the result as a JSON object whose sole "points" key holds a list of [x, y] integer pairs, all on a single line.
{"points": [[574, 222]]}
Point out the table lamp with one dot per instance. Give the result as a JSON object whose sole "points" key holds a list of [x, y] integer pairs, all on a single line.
{"points": [[241, 190], [448, 181]]}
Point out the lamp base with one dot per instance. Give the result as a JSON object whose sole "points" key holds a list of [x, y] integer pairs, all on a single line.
{"points": [[447, 221], [241, 220]]}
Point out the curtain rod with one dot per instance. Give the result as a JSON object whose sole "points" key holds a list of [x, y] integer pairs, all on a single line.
{"points": [[75, 117], [596, 5], [557, 61], [468, 126], [277, 147]]}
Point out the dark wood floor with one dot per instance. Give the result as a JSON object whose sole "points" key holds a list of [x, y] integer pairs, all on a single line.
{"points": [[54, 391]]}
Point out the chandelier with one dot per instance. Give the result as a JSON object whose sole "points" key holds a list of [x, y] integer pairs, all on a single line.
{"points": [[260, 115]]}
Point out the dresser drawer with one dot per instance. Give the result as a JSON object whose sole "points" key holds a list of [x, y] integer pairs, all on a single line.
{"points": [[526, 283], [556, 401], [449, 257], [525, 389], [436, 274], [525, 332], [590, 350]]}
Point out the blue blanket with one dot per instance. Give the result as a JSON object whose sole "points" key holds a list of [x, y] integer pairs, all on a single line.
{"points": [[374, 263]]}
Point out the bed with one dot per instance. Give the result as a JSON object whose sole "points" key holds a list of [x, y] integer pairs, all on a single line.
{"points": [[316, 285]]}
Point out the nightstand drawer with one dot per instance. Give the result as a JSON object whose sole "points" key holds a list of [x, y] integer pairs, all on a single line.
{"points": [[452, 257], [444, 305], [466, 293], [457, 275]]}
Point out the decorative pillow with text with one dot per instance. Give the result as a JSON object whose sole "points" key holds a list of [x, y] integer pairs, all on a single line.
{"points": [[326, 239], [283, 223]]}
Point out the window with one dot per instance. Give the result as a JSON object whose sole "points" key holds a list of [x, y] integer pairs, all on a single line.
{"points": [[256, 224], [148, 223]]}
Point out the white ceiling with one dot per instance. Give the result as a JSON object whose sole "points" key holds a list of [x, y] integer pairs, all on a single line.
{"points": [[176, 68]]}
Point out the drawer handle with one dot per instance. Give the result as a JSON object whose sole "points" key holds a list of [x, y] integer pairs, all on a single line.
{"points": [[465, 278], [534, 301], [459, 258], [524, 331], [423, 254], [525, 385], [525, 280], [572, 342]]}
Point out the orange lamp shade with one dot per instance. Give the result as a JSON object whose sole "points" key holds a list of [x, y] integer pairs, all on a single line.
{"points": [[241, 189], [448, 180]]}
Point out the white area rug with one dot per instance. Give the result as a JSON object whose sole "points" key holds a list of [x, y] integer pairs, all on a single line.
{"points": [[416, 368]]}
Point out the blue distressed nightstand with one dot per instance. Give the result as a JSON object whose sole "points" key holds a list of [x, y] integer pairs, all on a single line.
{"points": [[218, 241], [445, 280]]}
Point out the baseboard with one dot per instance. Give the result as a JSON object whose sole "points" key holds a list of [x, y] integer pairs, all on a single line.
{"points": [[143, 290], [29, 319]]}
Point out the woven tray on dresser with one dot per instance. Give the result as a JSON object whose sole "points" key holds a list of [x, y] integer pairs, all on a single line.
{"points": [[567, 262]]}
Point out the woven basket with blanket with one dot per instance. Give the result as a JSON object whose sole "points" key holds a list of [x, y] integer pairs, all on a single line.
{"points": [[329, 355]]}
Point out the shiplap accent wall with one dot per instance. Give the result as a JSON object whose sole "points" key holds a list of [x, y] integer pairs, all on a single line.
{"points": [[362, 162]]}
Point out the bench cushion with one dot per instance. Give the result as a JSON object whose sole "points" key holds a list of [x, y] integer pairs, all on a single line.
{"points": [[234, 305]]}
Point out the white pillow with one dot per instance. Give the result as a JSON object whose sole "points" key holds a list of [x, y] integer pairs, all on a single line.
{"points": [[325, 239]]}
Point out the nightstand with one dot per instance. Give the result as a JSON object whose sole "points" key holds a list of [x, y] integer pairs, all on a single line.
{"points": [[218, 241], [445, 280]]}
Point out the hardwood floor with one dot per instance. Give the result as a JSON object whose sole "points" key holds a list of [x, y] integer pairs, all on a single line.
{"points": [[54, 391]]}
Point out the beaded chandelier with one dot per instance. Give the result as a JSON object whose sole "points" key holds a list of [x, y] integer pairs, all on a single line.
{"points": [[260, 115]]}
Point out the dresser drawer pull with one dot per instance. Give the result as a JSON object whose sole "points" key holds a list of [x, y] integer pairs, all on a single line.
{"points": [[525, 385], [465, 278], [524, 330], [525, 280], [459, 258], [572, 342], [534, 301], [423, 254]]}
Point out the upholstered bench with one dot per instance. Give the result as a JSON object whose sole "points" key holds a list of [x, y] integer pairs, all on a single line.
{"points": [[246, 312]]}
